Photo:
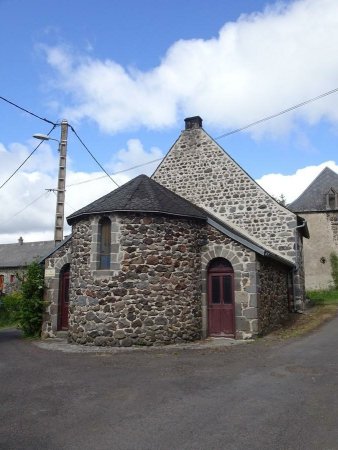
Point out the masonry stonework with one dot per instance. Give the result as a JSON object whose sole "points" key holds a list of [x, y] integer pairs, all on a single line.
{"points": [[154, 297], [198, 169], [53, 267], [11, 279], [273, 304], [243, 262]]}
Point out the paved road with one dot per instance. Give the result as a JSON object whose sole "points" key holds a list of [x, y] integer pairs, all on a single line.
{"points": [[264, 395]]}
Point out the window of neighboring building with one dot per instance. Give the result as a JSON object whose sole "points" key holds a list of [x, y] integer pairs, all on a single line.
{"points": [[332, 199], [104, 243], [12, 278]]}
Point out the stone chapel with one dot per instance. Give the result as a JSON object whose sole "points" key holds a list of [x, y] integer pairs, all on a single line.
{"points": [[199, 249]]}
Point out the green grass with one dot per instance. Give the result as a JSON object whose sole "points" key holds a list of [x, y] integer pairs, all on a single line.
{"points": [[323, 297]]}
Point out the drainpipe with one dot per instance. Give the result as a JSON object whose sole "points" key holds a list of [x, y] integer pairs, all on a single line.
{"points": [[294, 270]]}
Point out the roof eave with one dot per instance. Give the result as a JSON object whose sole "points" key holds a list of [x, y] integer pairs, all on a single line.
{"points": [[71, 219], [247, 243]]}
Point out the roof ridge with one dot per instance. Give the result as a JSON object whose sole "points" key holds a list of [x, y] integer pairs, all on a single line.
{"points": [[141, 194], [312, 185]]}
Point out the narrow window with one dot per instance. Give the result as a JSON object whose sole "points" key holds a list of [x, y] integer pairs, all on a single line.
{"points": [[104, 240], [12, 279], [332, 199]]}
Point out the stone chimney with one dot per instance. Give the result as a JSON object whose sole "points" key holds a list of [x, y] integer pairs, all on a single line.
{"points": [[193, 122], [20, 240]]}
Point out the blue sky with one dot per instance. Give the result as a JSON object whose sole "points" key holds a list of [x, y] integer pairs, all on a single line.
{"points": [[126, 73]]}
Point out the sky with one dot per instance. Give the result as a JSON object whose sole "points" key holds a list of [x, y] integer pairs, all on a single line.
{"points": [[125, 74]]}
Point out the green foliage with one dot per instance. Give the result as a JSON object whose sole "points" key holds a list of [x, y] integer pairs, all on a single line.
{"points": [[323, 297], [32, 305], [281, 199], [10, 309], [334, 269]]}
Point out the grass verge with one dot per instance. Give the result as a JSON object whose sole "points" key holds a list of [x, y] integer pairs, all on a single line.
{"points": [[311, 319], [323, 297]]}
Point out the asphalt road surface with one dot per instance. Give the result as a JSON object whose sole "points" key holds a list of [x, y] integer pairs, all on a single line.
{"points": [[265, 395]]}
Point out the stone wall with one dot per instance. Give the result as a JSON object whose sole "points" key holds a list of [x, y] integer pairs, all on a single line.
{"points": [[154, 297], [273, 302], [243, 262], [53, 266], [11, 279], [323, 228], [198, 169]]}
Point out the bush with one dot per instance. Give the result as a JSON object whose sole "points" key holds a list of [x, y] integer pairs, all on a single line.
{"points": [[32, 305], [10, 305], [334, 269]]}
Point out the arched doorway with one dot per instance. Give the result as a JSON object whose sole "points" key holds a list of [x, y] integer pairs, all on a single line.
{"points": [[221, 313], [63, 298]]}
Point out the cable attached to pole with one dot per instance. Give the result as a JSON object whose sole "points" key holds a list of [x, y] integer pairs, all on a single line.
{"points": [[91, 154], [5, 182], [26, 110]]}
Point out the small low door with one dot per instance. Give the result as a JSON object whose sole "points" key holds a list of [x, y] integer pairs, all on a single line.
{"points": [[64, 298], [1, 284], [221, 314]]}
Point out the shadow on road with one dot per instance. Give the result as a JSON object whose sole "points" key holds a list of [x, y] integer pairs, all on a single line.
{"points": [[10, 334]]}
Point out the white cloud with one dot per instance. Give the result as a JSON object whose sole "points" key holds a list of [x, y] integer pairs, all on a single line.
{"points": [[29, 211], [27, 188], [257, 66], [291, 186], [136, 153]]}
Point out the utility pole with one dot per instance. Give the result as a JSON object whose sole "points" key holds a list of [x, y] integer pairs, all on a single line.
{"points": [[61, 188]]}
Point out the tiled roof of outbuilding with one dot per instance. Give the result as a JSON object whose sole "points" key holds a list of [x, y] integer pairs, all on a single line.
{"points": [[142, 194], [20, 255], [314, 196]]}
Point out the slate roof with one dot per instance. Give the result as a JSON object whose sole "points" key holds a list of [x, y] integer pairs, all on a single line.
{"points": [[20, 255], [142, 194], [314, 196], [55, 248]]}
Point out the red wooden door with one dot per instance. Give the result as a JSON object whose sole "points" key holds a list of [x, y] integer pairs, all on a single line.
{"points": [[221, 314], [1, 283], [64, 298]]}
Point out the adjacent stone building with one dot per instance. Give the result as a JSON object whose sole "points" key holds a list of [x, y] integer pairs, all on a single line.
{"points": [[318, 204], [147, 265], [15, 257]]}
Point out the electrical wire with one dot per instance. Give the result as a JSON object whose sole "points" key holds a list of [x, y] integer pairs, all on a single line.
{"points": [[34, 150], [69, 206], [23, 209], [278, 114], [114, 173], [91, 154], [26, 110]]}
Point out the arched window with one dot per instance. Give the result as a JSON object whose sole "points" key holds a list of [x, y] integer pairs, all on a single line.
{"points": [[332, 199], [104, 243]]}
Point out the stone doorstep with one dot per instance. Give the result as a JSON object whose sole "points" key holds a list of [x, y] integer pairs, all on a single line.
{"points": [[61, 334], [62, 345]]}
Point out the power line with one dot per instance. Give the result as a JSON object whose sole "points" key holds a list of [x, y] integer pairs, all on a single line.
{"points": [[27, 206], [34, 150], [26, 110], [70, 206], [278, 114], [91, 154], [115, 173]]}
